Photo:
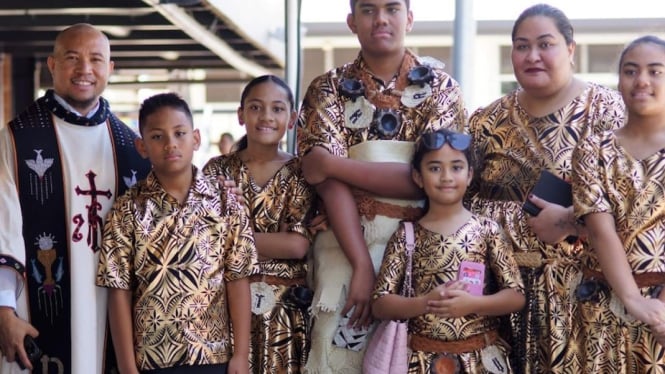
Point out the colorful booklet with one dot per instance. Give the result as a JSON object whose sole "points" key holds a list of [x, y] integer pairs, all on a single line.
{"points": [[473, 274]]}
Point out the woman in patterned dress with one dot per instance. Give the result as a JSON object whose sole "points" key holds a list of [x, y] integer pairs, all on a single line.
{"points": [[278, 201], [532, 129], [449, 325], [619, 191]]}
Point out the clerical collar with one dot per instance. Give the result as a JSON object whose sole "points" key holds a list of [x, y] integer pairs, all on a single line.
{"points": [[71, 108], [62, 109]]}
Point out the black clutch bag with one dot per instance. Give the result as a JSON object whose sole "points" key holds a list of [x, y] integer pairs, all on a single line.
{"points": [[551, 188]]}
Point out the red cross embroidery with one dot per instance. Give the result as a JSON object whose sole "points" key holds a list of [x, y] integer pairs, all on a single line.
{"points": [[94, 219]]}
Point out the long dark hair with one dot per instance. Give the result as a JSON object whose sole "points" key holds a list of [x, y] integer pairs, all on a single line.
{"points": [[242, 142]]}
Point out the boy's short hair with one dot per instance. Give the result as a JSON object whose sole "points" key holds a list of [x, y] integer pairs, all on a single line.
{"points": [[353, 4], [156, 102]]}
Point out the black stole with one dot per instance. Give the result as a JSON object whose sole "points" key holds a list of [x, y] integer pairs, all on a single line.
{"points": [[42, 197]]}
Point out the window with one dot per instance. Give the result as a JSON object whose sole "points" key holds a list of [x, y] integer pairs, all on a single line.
{"points": [[506, 62], [604, 58], [508, 86]]}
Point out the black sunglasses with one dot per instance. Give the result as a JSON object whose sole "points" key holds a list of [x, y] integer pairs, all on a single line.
{"points": [[435, 140]]}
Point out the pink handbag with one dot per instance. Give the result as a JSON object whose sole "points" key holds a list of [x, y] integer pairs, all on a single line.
{"points": [[387, 351]]}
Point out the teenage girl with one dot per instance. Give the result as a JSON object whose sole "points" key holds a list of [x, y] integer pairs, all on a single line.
{"points": [[619, 191], [278, 201], [449, 325]]}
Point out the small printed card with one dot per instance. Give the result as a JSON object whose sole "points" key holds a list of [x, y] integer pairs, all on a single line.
{"points": [[349, 337], [473, 274]]}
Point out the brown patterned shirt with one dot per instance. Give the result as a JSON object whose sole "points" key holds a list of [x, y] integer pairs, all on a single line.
{"points": [[437, 259], [607, 179], [176, 259], [285, 198], [321, 121]]}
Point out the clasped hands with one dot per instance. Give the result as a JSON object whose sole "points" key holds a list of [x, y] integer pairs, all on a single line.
{"points": [[450, 300]]}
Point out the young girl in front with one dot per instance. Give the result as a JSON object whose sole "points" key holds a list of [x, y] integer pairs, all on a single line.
{"points": [[450, 326], [619, 191], [278, 201]]}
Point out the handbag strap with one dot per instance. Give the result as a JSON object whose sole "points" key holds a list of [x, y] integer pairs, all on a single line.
{"points": [[410, 246]]}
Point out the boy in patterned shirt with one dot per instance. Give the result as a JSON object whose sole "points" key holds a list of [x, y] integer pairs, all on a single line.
{"points": [[173, 254]]}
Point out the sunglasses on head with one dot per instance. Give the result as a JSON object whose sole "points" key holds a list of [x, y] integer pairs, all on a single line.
{"points": [[435, 140]]}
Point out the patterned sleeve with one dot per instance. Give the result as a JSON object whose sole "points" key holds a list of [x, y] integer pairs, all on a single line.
{"points": [[299, 204], [476, 121], [319, 121], [240, 256], [612, 111], [502, 263], [449, 111], [588, 191], [218, 166], [476, 127], [212, 167], [391, 274], [115, 257]]}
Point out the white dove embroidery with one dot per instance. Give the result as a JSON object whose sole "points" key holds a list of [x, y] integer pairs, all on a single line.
{"points": [[130, 181], [39, 165]]}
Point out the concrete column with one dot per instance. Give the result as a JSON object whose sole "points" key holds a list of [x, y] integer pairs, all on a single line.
{"points": [[463, 46], [293, 57]]}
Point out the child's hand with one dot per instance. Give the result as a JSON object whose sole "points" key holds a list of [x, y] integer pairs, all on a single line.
{"points": [[230, 186], [457, 303], [238, 365], [441, 291], [436, 296]]}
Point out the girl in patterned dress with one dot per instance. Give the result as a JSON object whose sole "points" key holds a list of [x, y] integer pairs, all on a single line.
{"points": [[450, 326], [278, 201], [619, 191]]}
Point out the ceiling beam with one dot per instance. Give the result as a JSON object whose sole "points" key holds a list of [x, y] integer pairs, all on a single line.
{"points": [[196, 31], [75, 11]]}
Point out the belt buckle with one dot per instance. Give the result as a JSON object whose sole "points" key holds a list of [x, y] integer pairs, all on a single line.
{"points": [[444, 363]]}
